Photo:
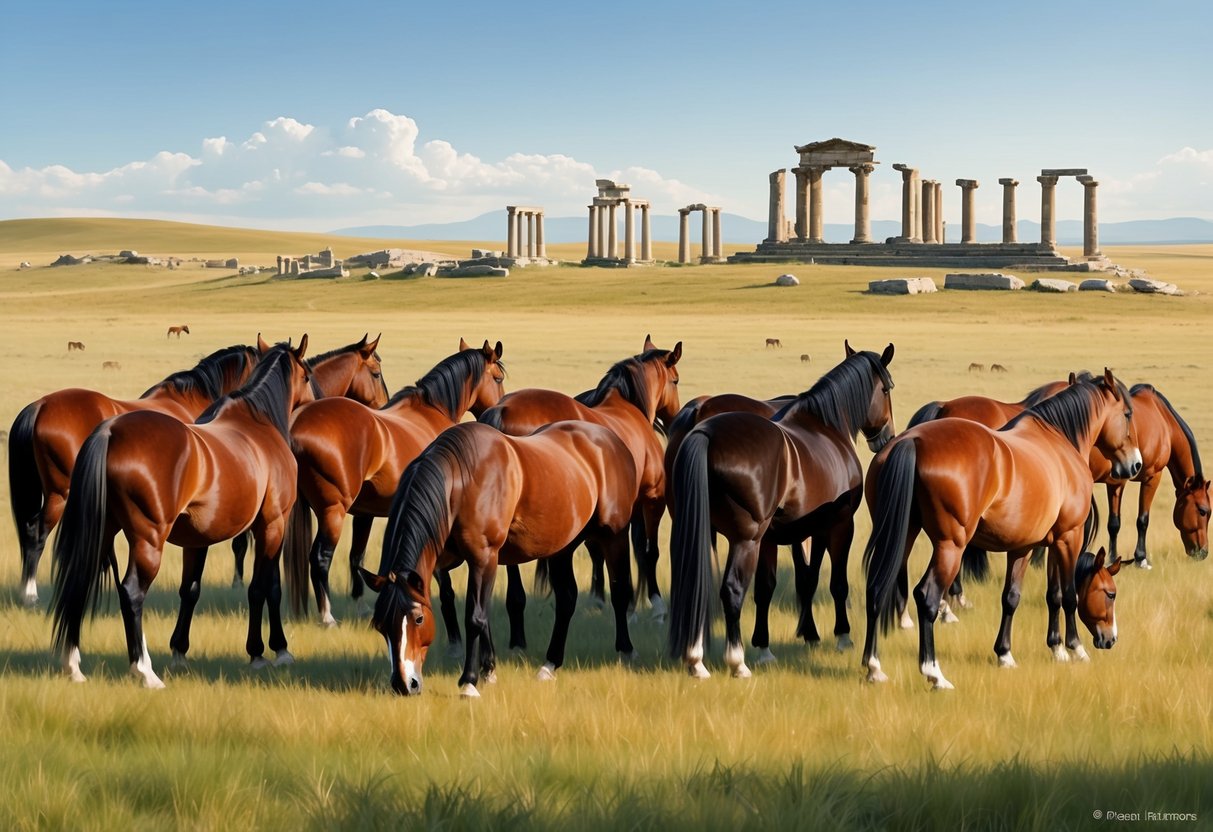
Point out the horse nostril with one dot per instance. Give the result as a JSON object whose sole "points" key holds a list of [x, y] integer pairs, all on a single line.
{"points": [[414, 685]]}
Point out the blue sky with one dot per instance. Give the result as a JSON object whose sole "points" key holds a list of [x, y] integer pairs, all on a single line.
{"points": [[440, 112]]}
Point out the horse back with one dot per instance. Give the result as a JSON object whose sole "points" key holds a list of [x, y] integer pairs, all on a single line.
{"points": [[523, 412], [989, 412]]}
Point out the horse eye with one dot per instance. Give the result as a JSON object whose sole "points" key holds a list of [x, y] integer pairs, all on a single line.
{"points": [[1203, 512], [1111, 595], [419, 620]]}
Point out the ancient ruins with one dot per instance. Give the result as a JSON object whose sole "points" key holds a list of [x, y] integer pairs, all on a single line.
{"points": [[603, 243], [530, 217], [323, 264], [710, 251]]}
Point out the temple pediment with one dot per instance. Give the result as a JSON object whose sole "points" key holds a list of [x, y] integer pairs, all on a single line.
{"points": [[835, 152]]}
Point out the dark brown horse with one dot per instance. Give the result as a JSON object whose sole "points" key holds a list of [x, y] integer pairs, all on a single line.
{"points": [[177, 330], [633, 395], [1005, 490], [48, 433], [158, 480], [351, 458], [763, 482], [478, 496]]}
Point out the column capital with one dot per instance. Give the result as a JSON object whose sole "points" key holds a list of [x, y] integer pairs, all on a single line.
{"points": [[1047, 181], [863, 168], [967, 183], [1006, 180], [1088, 181], [905, 169]]}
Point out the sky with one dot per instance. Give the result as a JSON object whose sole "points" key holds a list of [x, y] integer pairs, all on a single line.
{"points": [[316, 116]]}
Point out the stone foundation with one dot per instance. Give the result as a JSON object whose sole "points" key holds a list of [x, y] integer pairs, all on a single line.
{"points": [[975, 256]]}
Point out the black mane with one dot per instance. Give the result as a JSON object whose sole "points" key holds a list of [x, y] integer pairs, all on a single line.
{"points": [[627, 377], [841, 397], [1070, 410], [212, 376], [443, 387], [265, 393], [1183, 426]]}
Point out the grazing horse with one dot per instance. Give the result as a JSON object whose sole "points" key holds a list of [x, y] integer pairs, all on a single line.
{"points": [[351, 458], [1005, 490], [805, 358], [177, 330], [1166, 443], [48, 433], [110, 365], [72, 346], [634, 394], [997, 368], [158, 480], [480, 496], [774, 342], [762, 482], [977, 368]]}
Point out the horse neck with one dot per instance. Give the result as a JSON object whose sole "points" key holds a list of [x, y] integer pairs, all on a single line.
{"points": [[193, 402], [614, 400], [333, 376], [1181, 463]]}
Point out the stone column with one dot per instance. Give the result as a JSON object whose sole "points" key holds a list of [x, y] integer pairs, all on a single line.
{"points": [[602, 227], [1008, 209], [705, 247], [612, 232], [928, 211], [775, 224], [802, 204], [280, 271], [916, 195], [646, 237], [510, 213], [863, 223], [1090, 219], [816, 210], [629, 232], [684, 235], [909, 213], [717, 251], [937, 198], [541, 249], [1048, 231], [592, 248], [531, 249], [968, 224]]}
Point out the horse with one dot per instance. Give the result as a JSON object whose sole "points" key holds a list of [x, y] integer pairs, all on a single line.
{"points": [[1006, 490], [48, 433], [73, 346], [157, 480], [635, 393], [974, 367], [351, 458], [177, 330], [997, 368], [110, 365], [1166, 443], [774, 342], [805, 358], [762, 482], [480, 496]]}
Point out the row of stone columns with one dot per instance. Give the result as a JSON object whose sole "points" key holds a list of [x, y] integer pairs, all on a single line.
{"points": [[710, 246], [516, 216], [604, 231], [810, 216]]}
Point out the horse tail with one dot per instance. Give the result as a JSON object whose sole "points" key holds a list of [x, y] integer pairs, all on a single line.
{"points": [[295, 551], [81, 556], [25, 488], [494, 417], [927, 413], [976, 563], [885, 553], [1090, 528], [542, 585], [690, 548]]}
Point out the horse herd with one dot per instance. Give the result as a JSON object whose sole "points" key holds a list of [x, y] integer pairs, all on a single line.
{"points": [[259, 439]]}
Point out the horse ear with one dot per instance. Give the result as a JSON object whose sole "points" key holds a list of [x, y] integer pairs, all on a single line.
{"points": [[302, 347], [497, 350], [416, 582], [262, 346], [1101, 557], [847, 345], [887, 355], [1073, 379], [1110, 380], [648, 344], [674, 356], [369, 349], [373, 581], [1114, 566], [463, 345]]}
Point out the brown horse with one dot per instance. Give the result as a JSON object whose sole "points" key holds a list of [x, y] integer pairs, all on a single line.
{"points": [[634, 394], [73, 346], [479, 496], [177, 330], [158, 480], [1006, 490], [48, 433], [351, 458], [763, 482]]}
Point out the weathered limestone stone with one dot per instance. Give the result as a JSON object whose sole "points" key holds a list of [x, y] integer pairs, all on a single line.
{"points": [[425, 269], [476, 271], [1153, 287], [902, 286], [1095, 284], [126, 252], [1052, 284], [989, 280], [787, 280]]}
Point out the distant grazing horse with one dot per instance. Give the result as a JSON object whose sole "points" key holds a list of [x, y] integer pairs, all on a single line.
{"points": [[1006, 490], [110, 365], [73, 346], [158, 480], [633, 395], [804, 358], [48, 433], [977, 368], [177, 330], [997, 368], [774, 342], [479, 496], [351, 458], [762, 482]]}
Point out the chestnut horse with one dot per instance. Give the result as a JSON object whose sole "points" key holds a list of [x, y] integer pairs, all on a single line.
{"points": [[633, 395], [763, 482], [1006, 490], [157, 480], [351, 458], [479, 496], [177, 330], [48, 433]]}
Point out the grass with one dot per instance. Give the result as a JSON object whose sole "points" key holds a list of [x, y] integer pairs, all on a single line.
{"points": [[805, 744]]}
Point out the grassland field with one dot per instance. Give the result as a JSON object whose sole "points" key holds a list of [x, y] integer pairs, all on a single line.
{"points": [[804, 744]]}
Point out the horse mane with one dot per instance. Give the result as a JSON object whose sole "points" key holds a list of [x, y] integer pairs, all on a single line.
{"points": [[627, 377], [841, 397], [265, 393], [443, 387], [1042, 392], [1183, 426], [333, 353], [1070, 409], [212, 375]]}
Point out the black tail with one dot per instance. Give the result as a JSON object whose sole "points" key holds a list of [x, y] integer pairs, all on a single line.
{"points": [[690, 548], [542, 585], [494, 418], [81, 553], [1091, 527], [926, 413], [296, 550], [25, 489], [885, 552], [976, 563]]}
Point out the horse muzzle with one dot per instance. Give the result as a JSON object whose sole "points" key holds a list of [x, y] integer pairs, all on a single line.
{"points": [[1129, 469], [1104, 642], [876, 443], [1198, 552]]}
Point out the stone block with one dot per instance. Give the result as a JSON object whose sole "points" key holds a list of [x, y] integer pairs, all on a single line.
{"points": [[902, 286], [987, 280], [1052, 284], [423, 270], [787, 280], [1097, 284], [1153, 287], [476, 271]]}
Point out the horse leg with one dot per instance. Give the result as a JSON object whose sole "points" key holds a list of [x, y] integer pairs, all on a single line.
{"points": [[140, 572], [945, 563], [903, 596], [738, 572], [192, 563], [564, 588], [321, 558], [450, 619], [1116, 491], [266, 548], [481, 575], [765, 580], [515, 606], [1053, 600], [597, 579], [653, 511], [1017, 564], [807, 575], [1068, 548], [838, 544], [361, 536], [619, 570], [1144, 500], [871, 660], [239, 550]]}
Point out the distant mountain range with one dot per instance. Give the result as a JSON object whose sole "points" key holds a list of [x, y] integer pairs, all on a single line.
{"points": [[741, 230]]}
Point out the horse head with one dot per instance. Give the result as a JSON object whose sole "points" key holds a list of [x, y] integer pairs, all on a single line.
{"points": [[1096, 588], [665, 379], [877, 425], [490, 387], [1192, 516], [301, 376], [405, 619], [367, 385], [1117, 437]]}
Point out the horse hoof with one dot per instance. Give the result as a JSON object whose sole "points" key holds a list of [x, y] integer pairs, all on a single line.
{"points": [[29, 601], [469, 691], [741, 672], [765, 656], [258, 663], [946, 615], [1079, 654], [237, 583], [1059, 654], [963, 602], [76, 676], [328, 622], [698, 671], [844, 643], [283, 657], [597, 603], [153, 682], [178, 663], [942, 684], [1007, 660], [489, 678], [1143, 564], [547, 673], [876, 676], [907, 623]]}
